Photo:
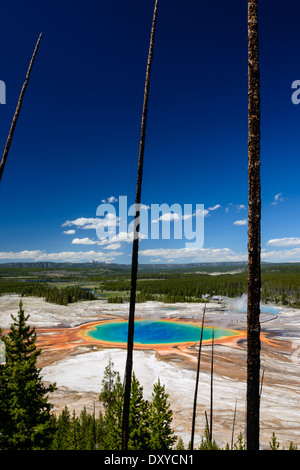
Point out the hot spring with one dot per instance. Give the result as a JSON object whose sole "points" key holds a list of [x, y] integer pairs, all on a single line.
{"points": [[239, 305], [148, 332]]}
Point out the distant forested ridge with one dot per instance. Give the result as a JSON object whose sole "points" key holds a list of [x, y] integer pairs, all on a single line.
{"points": [[279, 286], [187, 283], [52, 294]]}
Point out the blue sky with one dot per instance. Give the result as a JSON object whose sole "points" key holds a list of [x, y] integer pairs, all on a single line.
{"points": [[77, 138]]}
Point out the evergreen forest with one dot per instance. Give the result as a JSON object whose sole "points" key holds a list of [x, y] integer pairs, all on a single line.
{"points": [[61, 285]]}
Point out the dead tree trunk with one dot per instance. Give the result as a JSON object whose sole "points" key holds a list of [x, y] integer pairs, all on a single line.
{"points": [[254, 219], [135, 248], [211, 385], [18, 109], [197, 383]]}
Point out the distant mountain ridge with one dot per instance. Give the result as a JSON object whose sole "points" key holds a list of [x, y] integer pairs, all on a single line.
{"points": [[94, 264], [154, 267]]}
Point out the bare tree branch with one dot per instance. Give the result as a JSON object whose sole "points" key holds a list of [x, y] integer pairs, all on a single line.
{"points": [[135, 248], [18, 109]]}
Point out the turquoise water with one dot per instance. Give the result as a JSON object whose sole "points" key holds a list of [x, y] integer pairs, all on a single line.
{"points": [[155, 332]]}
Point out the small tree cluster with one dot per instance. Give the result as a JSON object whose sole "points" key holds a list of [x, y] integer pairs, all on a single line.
{"points": [[61, 296], [26, 421], [72, 432], [149, 422]]}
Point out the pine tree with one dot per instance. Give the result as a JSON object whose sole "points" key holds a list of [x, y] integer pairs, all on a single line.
{"points": [[180, 444], [149, 423], [75, 432], [111, 397], [61, 439], [139, 418], [83, 432], [274, 444], [26, 422], [162, 437], [87, 430]]}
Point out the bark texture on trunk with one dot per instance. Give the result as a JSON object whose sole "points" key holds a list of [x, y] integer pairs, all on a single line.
{"points": [[254, 220], [197, 383], [18, 109], [135, 248]]}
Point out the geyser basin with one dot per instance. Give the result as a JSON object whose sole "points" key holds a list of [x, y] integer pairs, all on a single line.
{"points": [[148, 332]]}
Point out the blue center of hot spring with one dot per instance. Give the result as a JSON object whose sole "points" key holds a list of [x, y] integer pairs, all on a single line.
{"points": [[156, 332]]}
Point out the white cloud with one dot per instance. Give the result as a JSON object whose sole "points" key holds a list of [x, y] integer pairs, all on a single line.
{"points": [[238, 207], [292, 241], [26, 254], [83, 241], [292, 255], [83, 222], [65, 256], [173, 216], [189, 255], [168, 217], [187, 216], [123, 237], [278, 198], [110, 200], [186, 255], [69, 232], [110, 220], [217, 206], [240, 222], [87, 223], [201, 212], [228, 206], [195, 254], [113, 246], [114, 240]]}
